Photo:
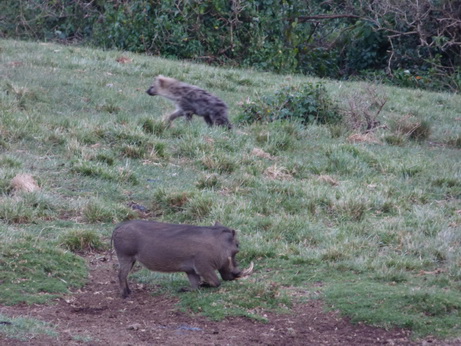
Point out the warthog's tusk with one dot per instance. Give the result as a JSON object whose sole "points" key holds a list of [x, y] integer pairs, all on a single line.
{"points": [[247, 271]]}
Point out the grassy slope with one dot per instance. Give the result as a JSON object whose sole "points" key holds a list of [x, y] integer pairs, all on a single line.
{"points": [[382, 245]]}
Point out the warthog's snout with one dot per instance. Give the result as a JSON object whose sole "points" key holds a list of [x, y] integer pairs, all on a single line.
{"points": [[196, 250]]}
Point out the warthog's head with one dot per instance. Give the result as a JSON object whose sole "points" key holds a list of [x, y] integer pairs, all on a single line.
{"points": [[230, 270]]}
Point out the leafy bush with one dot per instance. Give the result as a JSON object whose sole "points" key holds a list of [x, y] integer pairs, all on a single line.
{"points": [[309, 103]]}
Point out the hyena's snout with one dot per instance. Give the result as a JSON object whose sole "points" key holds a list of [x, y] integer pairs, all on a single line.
{"points": [[151, 91]]}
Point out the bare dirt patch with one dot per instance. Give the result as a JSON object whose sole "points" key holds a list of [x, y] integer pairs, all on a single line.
{"points": [[96, 315]]}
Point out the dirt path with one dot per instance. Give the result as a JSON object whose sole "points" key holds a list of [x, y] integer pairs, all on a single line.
{"points": [[97, 314]]}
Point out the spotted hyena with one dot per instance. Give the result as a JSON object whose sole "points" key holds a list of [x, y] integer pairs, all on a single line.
{"points": [[190, 100]]}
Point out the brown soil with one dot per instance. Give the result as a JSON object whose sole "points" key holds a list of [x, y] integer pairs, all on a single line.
{"points": [[97, 313]]}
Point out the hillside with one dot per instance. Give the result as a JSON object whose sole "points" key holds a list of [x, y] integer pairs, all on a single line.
{"points": [[368, 224]]}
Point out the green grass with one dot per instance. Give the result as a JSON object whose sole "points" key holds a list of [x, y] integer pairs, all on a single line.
{"points": [[34, 272], [25, 329], [377, 223]]}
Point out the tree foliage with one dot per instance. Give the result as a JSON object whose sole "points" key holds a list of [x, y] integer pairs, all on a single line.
{"points": [[411, 42]]}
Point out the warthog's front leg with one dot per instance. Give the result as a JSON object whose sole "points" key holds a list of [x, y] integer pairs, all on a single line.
{"points": [[194, 280]]}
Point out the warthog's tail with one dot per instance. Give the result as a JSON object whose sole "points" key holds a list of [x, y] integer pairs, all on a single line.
{"points": [[111, 246], [112, 243]]}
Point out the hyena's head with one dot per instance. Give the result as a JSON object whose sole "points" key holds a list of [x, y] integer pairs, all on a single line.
{"points": [[161, 86]]}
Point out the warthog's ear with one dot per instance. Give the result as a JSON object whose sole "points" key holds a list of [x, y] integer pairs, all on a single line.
{"points": [[218, 224]]}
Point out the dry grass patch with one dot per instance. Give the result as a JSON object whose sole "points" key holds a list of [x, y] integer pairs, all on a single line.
{"points": [[363, 138], [24, 183], [275, 172], [262, 154], [328, 179]]}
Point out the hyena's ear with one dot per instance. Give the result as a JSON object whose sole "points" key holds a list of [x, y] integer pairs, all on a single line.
{"points": [[161, 81]]}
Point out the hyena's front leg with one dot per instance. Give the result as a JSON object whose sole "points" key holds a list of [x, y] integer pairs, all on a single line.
{"points": [[189, 115], [208, 120], [176, 114]]}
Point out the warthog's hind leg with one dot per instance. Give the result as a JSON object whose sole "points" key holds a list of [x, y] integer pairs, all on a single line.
{"points": [[125, 266]]}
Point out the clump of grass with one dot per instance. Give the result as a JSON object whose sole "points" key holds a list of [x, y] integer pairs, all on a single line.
{"points": [[395, 139], [98, 210], [410, 127], [188, 206], [454, 142], [3, 143], [81, 241], [159, 150], [220, 163], [155, 127], [133, 151], [192, 146], [109, 106], [7, 161], [97, 170], [208, 181], [198, 208], [90, 169], [28, 207], [281, 136], [24, 96], [105, 157], [446, 182], [353, 209], [170, 202]]}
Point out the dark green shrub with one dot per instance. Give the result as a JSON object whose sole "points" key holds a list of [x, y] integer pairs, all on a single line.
{"points": [[309, 103]]}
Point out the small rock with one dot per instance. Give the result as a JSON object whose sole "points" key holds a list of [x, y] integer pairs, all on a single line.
{"points": [[134, 326]]}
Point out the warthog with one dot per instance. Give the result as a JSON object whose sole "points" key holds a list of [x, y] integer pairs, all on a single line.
{"points": [[196, 250]]}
